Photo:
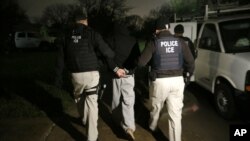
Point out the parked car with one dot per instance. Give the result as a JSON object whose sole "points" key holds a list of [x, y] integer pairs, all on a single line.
{"points": [[27, 39]]}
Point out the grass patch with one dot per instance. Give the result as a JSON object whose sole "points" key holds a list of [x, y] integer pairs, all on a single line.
{"points": [[141, 45], [26, 88]]}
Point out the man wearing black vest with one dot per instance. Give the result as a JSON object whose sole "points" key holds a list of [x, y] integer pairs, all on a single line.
{"points": [[170, 56], [178, 32], [82, 62]]}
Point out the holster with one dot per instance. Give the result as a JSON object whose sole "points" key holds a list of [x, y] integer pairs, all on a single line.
{"points": [[186, 77]]}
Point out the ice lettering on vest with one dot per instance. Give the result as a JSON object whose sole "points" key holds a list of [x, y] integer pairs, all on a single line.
{"points": [[76, 38], [169, 45]]}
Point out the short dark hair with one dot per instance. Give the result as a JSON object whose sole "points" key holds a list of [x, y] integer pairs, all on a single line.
{"points": [[161, 23], [179, 28], [81, 14]]}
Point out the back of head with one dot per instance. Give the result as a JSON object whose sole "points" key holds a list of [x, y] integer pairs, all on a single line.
{"points": [[162, 23], [179, 29], [81, 14]]}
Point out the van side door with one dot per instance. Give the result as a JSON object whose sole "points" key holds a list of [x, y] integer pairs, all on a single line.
{"points": [[209, 51]]}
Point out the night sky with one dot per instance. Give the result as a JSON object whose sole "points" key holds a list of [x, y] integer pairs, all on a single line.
{"points": [[34, 8]]}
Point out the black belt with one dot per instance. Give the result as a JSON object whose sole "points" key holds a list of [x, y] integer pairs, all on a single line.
{"points": [[167, 75]]}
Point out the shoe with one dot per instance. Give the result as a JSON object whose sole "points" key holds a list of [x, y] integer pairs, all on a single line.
{"points": [[130, 134]]}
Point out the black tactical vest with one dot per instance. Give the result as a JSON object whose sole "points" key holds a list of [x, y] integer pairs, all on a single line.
{"points": [[168, 54], [80, 54]]}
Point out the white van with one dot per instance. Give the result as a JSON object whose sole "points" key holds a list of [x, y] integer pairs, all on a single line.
{"points": [[223, 62]]}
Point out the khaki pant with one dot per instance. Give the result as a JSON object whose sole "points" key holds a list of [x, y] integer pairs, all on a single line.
{"points": [[169, 90], [87, 104]]}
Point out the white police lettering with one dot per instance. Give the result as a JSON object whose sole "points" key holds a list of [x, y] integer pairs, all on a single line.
{"points": [[240, 132], [76, 38], [169, 45]]}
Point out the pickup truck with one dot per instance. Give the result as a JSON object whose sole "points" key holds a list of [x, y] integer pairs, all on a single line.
{"points": [[223, 62]]}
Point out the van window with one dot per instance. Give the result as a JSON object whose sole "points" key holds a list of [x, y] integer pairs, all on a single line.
{"points": [[32, 35], [21, 35], [209, 38], [236, 35]]}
